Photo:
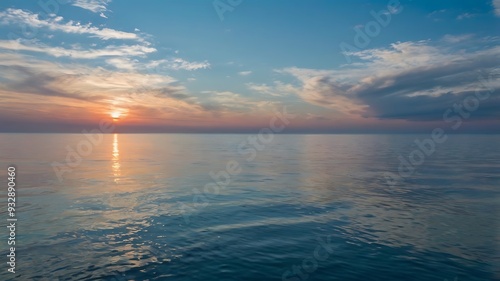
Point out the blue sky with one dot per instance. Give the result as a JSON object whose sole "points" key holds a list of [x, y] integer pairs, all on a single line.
{"points": [[229, 65]]}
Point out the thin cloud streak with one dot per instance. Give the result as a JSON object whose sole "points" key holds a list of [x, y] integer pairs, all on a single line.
{"points": [[95, 6], [20, 17], [108, 51]]}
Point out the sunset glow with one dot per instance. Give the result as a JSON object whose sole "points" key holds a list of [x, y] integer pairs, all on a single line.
{"points": [[115, 115]]}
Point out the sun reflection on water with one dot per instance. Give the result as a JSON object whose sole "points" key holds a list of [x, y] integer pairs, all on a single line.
{"points": [[116, 159]]}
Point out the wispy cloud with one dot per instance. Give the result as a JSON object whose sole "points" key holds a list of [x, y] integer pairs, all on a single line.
{"points": [[108, 51], [123, 63], [56, 23], [465, 16], [157, 65], [222, 102], [66, 85], [435, 13], [182, 64], [277, 89], [75, 89], [95, 6], [245, 73], [457, 38]]}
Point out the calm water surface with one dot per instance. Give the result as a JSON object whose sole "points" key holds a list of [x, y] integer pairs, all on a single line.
{"points": [[308, 207]]}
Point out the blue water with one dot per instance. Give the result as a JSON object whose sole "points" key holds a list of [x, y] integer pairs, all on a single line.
{"points": [[135, 209]]}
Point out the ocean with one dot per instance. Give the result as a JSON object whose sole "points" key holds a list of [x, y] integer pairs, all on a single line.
{"points": [[236, 207]]}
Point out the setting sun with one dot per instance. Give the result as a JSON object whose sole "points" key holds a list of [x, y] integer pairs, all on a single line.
{"points": [[115, 115]]}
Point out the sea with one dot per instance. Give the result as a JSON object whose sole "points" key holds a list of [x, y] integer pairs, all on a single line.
{"points": [[250, 207]]}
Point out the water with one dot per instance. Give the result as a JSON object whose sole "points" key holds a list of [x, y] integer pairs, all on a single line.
{"points": [[126, 212]]}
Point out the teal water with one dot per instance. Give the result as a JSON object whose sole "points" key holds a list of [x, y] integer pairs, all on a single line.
{"points": [[308, 207]]}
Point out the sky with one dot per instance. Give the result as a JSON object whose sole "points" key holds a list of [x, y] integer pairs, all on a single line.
{"points": [[231, 66]]}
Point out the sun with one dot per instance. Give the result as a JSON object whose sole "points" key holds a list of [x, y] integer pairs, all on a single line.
{"points": [[115, 115]]}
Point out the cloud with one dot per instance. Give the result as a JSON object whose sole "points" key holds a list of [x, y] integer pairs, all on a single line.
{"points": [[70, 90], [19, 69], [180, 64], [28, 80], [55, 23], [324, 91], [222, 102], [95, 6], [438, 15], [437, 12], [277, 89], [156, 66], [67, 88], [457, 38], [245, 73], [409, 80], [465, 16], [122, 63], [108, 51], [496, 6]]}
